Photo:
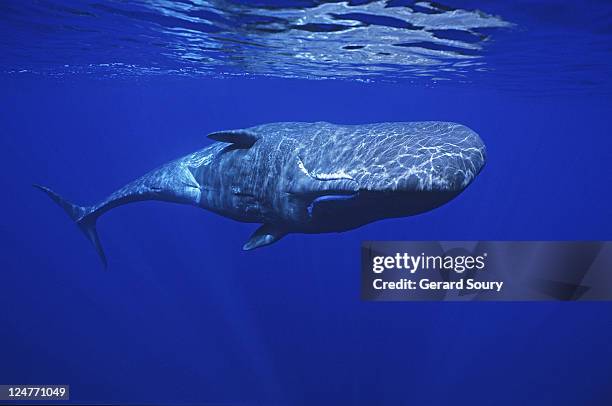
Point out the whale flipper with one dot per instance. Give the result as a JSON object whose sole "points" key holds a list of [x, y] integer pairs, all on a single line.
{"points": [[240, 138], [84, 217], [265, 235]]}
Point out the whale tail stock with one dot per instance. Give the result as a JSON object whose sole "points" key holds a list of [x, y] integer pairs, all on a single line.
{"points": [[84, 217]]}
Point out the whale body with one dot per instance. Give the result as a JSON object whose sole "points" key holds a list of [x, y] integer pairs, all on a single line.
{"points": [[308, 177]]}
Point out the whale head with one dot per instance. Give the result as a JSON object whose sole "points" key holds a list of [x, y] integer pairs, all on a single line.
{"points": [[401, 170]]}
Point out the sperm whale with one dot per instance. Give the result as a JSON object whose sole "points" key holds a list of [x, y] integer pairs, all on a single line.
{"points": [[295, 177]]}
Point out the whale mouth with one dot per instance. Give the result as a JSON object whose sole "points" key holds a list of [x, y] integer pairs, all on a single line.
{"points": [[335, 200], [345, 212]]}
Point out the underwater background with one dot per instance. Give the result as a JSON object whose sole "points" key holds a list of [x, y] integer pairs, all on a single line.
{"points": [[96, 93]]}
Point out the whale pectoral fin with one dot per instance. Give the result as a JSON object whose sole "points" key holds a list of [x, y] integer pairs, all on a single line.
{"points": [[239, 138], [264, 235]]}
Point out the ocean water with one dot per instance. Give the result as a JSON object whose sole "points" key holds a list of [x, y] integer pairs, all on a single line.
{"points": [[95, 94]]}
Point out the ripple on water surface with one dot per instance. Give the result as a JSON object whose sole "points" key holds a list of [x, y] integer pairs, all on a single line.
{"points": [[305, 39]]}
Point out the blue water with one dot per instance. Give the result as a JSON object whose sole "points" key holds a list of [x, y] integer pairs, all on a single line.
{"points": [[94, 94]]}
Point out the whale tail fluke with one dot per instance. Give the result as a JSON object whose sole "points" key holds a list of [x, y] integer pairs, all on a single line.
{"points": [[84, 217]]}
